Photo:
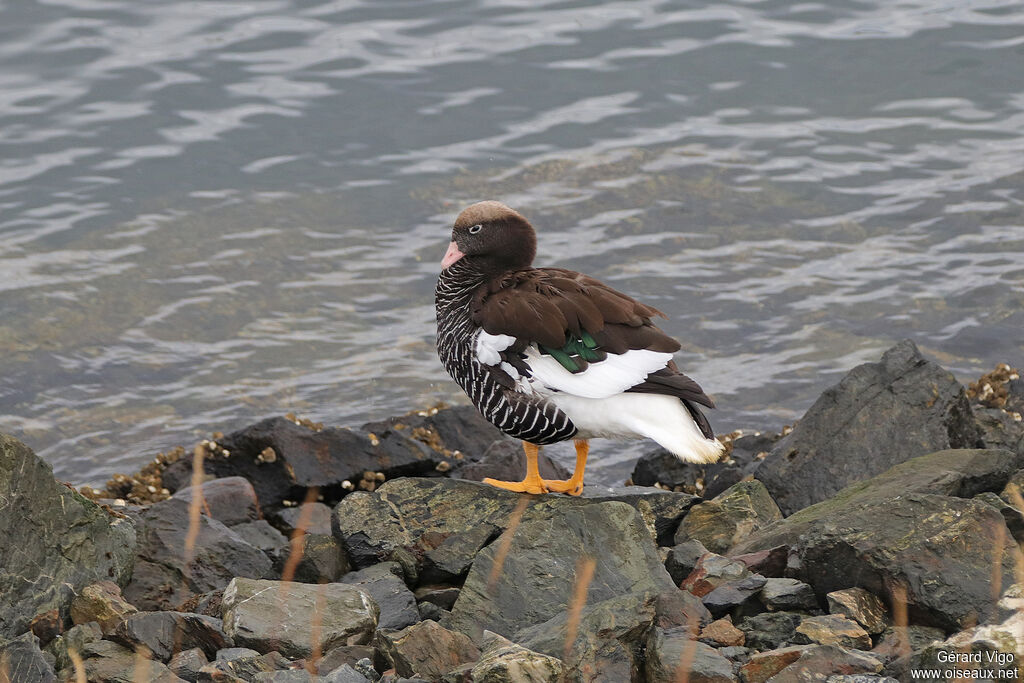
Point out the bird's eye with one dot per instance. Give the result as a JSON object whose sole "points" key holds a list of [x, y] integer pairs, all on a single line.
{"points": [[475, 229]]}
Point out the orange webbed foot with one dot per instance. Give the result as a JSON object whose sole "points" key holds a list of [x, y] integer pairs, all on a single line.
{"points": [[570, 486], [527, 485]]}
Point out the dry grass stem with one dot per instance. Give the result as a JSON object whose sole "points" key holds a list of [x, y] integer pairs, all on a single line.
{"points": [[142, 665], [195, 506], [689, 652], [584, 575], [514, 518], [315, 628], [899, 617], [78, 665], [997, 562], [296, 545]]}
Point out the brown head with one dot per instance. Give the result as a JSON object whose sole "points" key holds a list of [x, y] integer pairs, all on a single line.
{"points": [[492, 237]]}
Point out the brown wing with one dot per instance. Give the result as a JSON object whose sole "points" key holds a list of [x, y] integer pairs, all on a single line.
{"points": [[552, 305]]}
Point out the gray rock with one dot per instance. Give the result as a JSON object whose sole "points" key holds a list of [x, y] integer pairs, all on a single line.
{"points": [[535, 581], [712, 571], [787, 595], [999, 428], [230, 500], [107, 661], [861, 606], [761, 666], [261, 535], [682, 559], [396, 602], [314, 517], [426, 649], [399, 514], [101, 602], [230, 654], [503, 460], [162, 580], [21, 661], [320, 559], [730, 517], [668, 650], [442, 596], [882, 535], [343, 655], [818, 662], [831, 629], [74, 542], [274, 615], [75, 638], [290, 676], [1013, 516], [343, 674], [187, 664], [165, 633], [248, 667], [734, 594], [449, 560], [502, 661], [922, 407], [770, 630]]}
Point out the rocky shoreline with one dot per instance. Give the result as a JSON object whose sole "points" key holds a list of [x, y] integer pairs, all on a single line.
{"points": [[879, 535]]}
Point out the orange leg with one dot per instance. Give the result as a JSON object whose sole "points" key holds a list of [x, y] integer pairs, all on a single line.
{"points": [[532, 483], [573, 486]]}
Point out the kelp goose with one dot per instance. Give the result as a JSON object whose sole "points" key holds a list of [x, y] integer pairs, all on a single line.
{"points": [[548, 354]]}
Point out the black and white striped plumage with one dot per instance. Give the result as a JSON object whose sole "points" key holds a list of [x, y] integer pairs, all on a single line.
{"points": [[548, 354]]}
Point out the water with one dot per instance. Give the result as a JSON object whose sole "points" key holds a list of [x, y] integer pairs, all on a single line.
{"points": [[212, 212]]}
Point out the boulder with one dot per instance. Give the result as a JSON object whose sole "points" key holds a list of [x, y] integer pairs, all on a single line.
{"points": [[166, 633], [66, 541], [382, 582], [282, 458], [109, 662], [682, 559], [162, 578], [763, 665], [534, 580], [453, 431], [861, 606], [74, 639], [230, 500], [831, 629], [879, 415], [320, 558], [770, 630], [402, 512], [261, 535], [734, 595], [447, 558], [1000, 428], [712, 571], [668, 650], [730, 517], [251, 665], [818, 662], [100, 602], [315, 518], [21, 661], [187, 665], [283, 616], [502, 661], [427, 650], [885, 535], [788, 594], [722, 633]]}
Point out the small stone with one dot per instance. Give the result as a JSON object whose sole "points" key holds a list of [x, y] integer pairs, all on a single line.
{"points": [[770, 630], [187, 664], [667, 648], [830, 629], [426, 649], [722, 633], [861, 606], [101, 602], [261, 535], [734, 594], [730, 517], [682, 559], [382, 582], [502, 661], [763, 665], [314, 517], [442, 596], [712, 571], [787, 595], [75, 638], [343, 655], [321, 559], [343, 674], [818, 662], [165, 633]]}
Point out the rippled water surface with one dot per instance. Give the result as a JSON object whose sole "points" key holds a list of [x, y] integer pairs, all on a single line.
{"points": [[216, 211]]}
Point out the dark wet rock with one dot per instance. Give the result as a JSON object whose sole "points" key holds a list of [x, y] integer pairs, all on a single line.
{"points": [[165, 633], [734, 595], [427, 650], [66, 542], [730, 517], [504, 460], [75, 638], [344, 655], [162, 579], [107, 661], [667, 650], [187, 664], [861, 606], [712, 571], [399, 514], [429, 610], [261, 534], [446, 430], [315, 518], [208, 604], [681, 608], [502, 661], [303, 458], [274, 615], [818, 662], [101, 602], [320, 559], [770, 630], [682, 559], [879, 415], [884, 535], [1000, 429], [442, 596], [535, 581], [1012, 515], [763, 665], [898, 644], [382, 582], [448, 558], [831, 629], [788, 595], [230, 654], [21, 661], [230, 500], [770, 563], [722, 633], [609, 637]]}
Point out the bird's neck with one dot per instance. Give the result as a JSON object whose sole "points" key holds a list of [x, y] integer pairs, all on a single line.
{"points": [[455, 289]]}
